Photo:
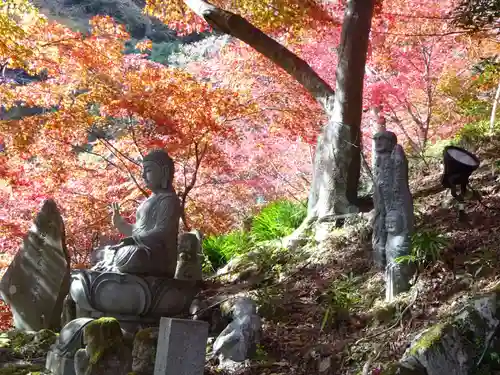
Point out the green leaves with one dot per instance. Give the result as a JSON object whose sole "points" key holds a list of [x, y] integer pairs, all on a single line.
{"points": [[277, 220], [427, 246]]}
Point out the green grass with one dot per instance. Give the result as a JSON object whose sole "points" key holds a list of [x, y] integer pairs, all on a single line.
{"points": [[276, 220]]}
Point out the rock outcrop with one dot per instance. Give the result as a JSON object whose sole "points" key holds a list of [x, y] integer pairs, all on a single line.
{"points": [[457, 345]]}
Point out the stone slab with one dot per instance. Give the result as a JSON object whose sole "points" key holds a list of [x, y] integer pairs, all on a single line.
{"points": [[59, 364], [181, 347], [60, 358], [37, 280]]}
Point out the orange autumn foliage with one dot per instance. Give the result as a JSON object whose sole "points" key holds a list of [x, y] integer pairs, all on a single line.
{"points": [[109, 109]]}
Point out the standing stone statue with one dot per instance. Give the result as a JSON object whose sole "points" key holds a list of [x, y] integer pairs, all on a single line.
{"points": [[393, 222], [105, 351], [150, 245], [189, 265], [238, 341]]}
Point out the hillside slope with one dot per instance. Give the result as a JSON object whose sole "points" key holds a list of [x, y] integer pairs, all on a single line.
{"points": [[331, 315], [77, 13]]}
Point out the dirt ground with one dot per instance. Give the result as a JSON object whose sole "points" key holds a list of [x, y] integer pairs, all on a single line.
{"points": [[298, 333]]}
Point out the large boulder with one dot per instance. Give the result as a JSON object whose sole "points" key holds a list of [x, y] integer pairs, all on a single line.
{"points": [[457, 345]]}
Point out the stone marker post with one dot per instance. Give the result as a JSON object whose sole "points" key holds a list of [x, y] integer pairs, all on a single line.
{"points": [[38, 278], [181, 347], [393, 224]]}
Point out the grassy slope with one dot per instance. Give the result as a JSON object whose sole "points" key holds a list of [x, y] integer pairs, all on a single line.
{"points": [[295, 327]]}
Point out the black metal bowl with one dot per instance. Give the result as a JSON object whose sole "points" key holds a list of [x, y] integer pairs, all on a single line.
{"points": [[459, 161]]}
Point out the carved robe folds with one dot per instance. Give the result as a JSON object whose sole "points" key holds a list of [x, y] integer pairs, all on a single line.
{"points": [[155, 235], [393, 225]]}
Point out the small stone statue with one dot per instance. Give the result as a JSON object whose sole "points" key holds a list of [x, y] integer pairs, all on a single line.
{"points": [[105, 352], [188, 262], [393, 221], [238, 341], [144, 351], [150, 245]]}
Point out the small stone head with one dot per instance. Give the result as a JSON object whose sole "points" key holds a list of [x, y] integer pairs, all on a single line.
{"points": [[158, 170], [243, 307], [385, 141], [189, 244], [393, 222]]}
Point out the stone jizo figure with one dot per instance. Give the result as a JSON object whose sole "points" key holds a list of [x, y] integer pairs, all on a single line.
{"points": [[150, 245], [189, 265], [238, 341], [393, 222], [384, 144], [105, 352]]}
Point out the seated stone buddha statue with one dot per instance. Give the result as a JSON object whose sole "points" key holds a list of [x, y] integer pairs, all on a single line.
{"points": [[150, 245], [134, 280]]}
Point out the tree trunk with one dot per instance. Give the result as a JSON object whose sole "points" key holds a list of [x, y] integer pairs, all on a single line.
{"points": [[338, 158], [494, 110], [492, 120], [337, 161]]}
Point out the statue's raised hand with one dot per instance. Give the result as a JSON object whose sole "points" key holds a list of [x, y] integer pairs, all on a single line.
{"points": [[115, 217]]}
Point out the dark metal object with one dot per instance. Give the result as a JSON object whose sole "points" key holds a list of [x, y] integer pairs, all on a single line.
{"points": [[459, 164]]}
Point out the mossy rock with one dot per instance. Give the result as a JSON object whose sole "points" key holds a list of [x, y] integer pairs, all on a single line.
{"points": [[30, 344], [21, 370], [147, 335], [4, 340], [144, 351], [102, 336], [455, 345], [429, 338]]}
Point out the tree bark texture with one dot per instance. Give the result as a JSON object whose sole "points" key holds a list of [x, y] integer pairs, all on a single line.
{"points": [[338, 155]]}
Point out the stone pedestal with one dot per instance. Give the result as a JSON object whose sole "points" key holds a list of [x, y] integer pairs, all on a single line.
{"points": [[135, 301], [181, 347]]}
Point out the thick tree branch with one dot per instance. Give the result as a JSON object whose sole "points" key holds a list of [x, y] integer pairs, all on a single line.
{"points": [[236, 26], [199, 155]]}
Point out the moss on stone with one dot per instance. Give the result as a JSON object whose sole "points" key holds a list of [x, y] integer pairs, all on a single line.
{"points": [[146, 335], [428, 338], [4, 340], [29, 344], [396, 368], [18, 339], [44, 339], [102, 336], [21, 370]]}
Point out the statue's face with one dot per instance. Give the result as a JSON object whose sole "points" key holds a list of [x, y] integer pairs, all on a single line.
{"points": [[152, 174], [383, 143], [393, 222]]}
